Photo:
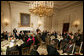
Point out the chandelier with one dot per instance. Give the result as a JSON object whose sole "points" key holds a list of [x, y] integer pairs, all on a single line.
{"points": [[42, 8]]}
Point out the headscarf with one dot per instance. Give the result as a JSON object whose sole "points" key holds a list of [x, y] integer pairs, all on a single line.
{"points": [[31, 37]]}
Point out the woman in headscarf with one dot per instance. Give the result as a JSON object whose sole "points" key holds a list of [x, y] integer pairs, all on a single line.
{"points": [[31, 40]]}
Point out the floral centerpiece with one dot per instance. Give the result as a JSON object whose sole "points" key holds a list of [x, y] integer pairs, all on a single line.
{"points": [[12, 41]]}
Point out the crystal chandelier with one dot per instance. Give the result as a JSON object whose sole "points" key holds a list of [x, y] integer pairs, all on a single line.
{"points": [[42, 8]]}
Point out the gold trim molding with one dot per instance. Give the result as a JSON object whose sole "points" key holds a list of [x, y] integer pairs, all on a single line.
{"points": [[19, 24]]}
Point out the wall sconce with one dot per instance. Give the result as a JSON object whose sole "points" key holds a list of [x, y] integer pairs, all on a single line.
{"points": [[6, 22], [76, 23]]}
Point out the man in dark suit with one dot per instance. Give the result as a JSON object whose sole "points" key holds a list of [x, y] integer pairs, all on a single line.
{"points": [[21, 35], [52, 50], [81, 37], [14, 32], [34, 51], [54, 34], [44, 35], [38, 35], [6, 35]]}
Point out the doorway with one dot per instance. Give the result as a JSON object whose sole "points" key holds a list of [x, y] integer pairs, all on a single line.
{"points": [[65, 27]]}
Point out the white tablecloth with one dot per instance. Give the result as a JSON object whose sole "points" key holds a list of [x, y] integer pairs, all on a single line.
{"points": [[60, 39], [19, 42], [6, 43]]}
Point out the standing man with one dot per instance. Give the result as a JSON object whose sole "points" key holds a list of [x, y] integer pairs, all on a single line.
{"points": [[14, 32]]}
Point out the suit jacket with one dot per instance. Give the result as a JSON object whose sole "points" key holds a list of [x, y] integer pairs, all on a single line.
{"points": [[51, 50], [21, 36]]}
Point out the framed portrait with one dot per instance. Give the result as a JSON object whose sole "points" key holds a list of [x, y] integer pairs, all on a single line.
{"points": [[24, 20]]}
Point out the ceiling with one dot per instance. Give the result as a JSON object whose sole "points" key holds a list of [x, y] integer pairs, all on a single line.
{"points": [[63, 4], [58, 4]]}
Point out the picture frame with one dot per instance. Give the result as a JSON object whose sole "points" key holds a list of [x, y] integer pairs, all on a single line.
{"points": [[24, 20]]}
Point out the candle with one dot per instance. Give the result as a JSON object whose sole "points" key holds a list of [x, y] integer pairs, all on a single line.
{"points": [[73, 48], [52, 4], [44, 3], [32, 5], [80, 47], [47, 3], [36, 4]]}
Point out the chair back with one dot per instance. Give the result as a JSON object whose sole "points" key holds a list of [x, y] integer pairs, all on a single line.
{"points": [[25, 51], [14, 53]]}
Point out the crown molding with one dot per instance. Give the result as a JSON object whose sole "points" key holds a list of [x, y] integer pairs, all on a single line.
{"points": [[74, 4], [20, 2]]}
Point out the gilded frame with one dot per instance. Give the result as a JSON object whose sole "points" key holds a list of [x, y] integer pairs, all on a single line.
{"points": [[20, 21]]}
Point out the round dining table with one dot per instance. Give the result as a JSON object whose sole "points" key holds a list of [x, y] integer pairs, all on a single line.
{"points": [[6, 43]]}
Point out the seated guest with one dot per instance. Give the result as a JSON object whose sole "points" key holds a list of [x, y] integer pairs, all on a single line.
{"points": [[52, 37], [79, 32], [24, 45], [6, 35], [34, 51], [14, 32], [51, 49], [71, 33], [36, 40], [52, 42], [56, 43], [21, 35], [17, 36], [66, 37], [81, 37], [31, 40], [14, 48], [64, 34], [25, 37], [44, 35], [76, 39], [38, 34], [38, 31], [62, 44], [54, 34], [9, 36], [68, 48], [47, 40], [42, 49]]}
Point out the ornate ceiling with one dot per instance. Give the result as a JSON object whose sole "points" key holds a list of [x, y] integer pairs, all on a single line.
{"points": [[57, 4]]}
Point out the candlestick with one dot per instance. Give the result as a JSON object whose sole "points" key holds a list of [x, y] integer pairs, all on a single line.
{"points": [[73, 48], [80, 47]]}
